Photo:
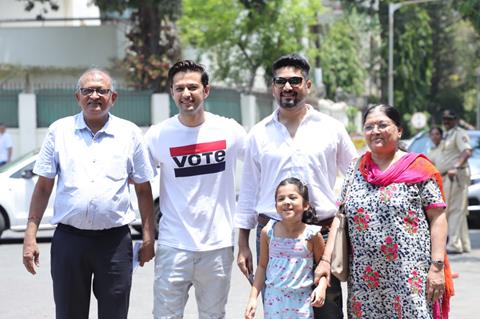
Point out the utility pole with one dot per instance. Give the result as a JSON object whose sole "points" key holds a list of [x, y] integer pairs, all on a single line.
{"points": [[392, 7]]}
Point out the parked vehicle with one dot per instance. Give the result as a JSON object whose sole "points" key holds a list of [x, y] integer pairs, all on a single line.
{"points": [[421, 143], [17, 182]]}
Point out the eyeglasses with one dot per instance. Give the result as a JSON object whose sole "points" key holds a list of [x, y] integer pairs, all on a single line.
{"points": [[380, 126], [294, 81], [89, 91]]}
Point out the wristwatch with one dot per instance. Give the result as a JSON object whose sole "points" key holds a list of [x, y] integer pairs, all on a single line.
{"points": [[438, 264]]}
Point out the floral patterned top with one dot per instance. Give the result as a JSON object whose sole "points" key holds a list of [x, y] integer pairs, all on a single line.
{"points": [[390, 246], [289, 276]]}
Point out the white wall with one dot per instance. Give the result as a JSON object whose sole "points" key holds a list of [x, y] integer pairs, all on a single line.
{"points": [[14, 9], [63, 46]]}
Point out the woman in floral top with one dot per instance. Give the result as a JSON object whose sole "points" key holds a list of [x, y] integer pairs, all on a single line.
{"points": [[396, 227]]}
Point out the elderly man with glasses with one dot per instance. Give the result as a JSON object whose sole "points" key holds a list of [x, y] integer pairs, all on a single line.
{"points": [[94, 156], [294, 141]]}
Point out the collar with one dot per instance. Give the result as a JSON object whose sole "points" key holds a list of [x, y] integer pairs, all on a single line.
{"points": [[311, 114], [108, 128]]}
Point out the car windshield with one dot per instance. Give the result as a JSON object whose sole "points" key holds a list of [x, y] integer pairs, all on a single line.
{"points": [[5, 167]]}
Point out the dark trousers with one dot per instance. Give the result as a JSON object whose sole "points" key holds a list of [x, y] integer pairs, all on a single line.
{"points": [[77, 256], [333, 306]]}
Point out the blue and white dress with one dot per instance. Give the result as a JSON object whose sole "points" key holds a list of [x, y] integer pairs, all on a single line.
{"points": [[289, 275]]}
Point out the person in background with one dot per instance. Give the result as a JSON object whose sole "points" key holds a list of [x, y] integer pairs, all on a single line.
{"points": [[436, 136], [6, 145], [197, 152], [294, 141], [95, 157], [397, 228], [289, 250], [453, 165]]}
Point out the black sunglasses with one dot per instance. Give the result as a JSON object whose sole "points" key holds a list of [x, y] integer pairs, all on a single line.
{"points": [[294, 81], [89, 91]]}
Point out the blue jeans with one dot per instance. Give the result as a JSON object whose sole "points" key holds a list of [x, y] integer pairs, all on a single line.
{"points": [[333, 307]]}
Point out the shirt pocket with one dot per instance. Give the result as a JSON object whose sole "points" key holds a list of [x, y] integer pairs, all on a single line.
{"points": [[116, 168]]}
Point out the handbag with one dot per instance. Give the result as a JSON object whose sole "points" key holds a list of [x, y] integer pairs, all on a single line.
{"points": [[339, 264]]}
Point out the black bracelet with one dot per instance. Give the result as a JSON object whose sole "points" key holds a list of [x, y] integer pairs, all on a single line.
{"points": [[325, 260]]}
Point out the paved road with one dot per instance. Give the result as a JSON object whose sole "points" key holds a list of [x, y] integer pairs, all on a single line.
{"points": [[25, 296]]}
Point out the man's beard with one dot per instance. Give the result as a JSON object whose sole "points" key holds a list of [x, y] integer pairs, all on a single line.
{"points": [[288, 103]]}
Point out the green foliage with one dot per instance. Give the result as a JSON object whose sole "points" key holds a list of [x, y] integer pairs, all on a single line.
{"points": [[340, 58], [470, 10], [351, 115], [153, 39], [412, 59], [240, 37]]}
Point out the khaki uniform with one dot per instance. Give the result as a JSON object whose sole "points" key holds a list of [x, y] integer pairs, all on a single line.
{"points": [[435, 154], [456, 188]]}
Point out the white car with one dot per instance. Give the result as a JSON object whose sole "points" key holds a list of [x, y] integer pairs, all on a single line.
{"points": [[17, 182]]}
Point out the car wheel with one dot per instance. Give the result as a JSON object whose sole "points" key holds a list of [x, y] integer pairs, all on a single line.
{"points": [[2, 223], [473, 220]]}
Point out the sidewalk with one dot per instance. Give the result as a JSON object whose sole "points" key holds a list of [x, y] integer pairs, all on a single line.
{"points": [[467, 285]]}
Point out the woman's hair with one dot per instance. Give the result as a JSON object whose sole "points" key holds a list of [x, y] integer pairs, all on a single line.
{"points": [[309, 214], [391, 112], [437, 128]]}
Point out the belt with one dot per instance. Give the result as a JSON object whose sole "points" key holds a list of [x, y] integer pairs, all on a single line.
{"points": [[263, 219], [91, 232]]}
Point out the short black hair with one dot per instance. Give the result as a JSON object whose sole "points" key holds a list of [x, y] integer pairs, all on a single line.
{"points": [[187, 66], [390, 111], [294, 60], [438, 128], [309, 215]]}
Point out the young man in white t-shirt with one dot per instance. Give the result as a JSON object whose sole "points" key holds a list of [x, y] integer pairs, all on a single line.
{"points": [[197, 153]]}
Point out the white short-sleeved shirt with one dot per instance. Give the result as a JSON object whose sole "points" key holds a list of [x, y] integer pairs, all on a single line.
{"points": [[321, 148], [93, 171], [197, 181]]}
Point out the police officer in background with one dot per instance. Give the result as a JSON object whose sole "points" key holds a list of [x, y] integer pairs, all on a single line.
{"points": [[454, 153]]}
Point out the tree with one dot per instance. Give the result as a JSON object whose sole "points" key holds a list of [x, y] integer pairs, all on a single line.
{"points": [[241, 37], [412, 59], [153, 37], [412, 52], [341, 59], [470, 10]]}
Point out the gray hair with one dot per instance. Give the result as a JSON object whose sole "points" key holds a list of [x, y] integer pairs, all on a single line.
{"points": [[95, 70]]}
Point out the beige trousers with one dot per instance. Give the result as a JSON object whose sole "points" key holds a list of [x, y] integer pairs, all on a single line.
{"points": [[456, 192]]}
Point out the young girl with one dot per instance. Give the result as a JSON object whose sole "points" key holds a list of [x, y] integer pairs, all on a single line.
{"points": [[288, 250]]}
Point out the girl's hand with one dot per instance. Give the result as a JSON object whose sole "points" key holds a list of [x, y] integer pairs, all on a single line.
{"points": [[251, 308], [435, 284], [322, 270], [318, 294]]}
